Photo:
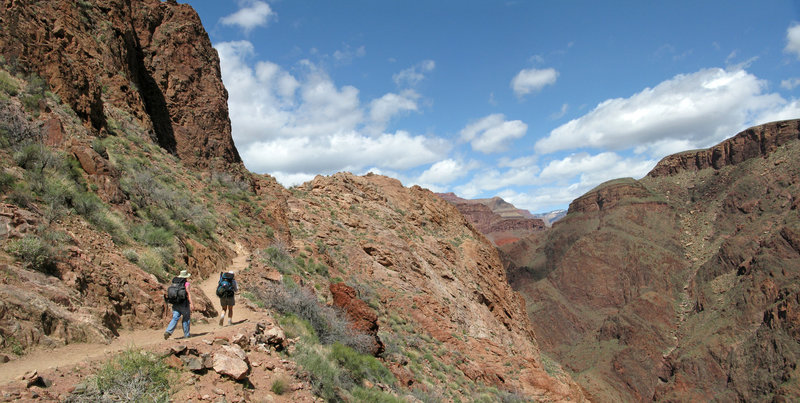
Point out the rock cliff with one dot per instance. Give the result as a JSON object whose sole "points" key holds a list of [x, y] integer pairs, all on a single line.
{"points": [[680, 286], [150, 60], [497, 219]]}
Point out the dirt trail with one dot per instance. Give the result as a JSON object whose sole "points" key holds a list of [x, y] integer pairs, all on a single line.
{"points": [[71, 354]]}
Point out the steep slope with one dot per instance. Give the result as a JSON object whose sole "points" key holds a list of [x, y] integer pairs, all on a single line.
{"points": [[679, 286], [432, 278], [115, 62]]}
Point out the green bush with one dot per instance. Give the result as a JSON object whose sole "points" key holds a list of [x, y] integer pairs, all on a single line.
{"points": [[7, 84], [153, 236], [34, 253], [360, 366], [322, 373], [279, 386], [134, 376], [364, 395], [7, 182], [152, 262]]}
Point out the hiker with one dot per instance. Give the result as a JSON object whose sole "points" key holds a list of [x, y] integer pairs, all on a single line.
{"points": [[179, 295], [226, 289]]}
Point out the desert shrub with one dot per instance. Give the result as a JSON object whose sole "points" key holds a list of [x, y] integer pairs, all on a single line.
{"points": [[152, 262], [322, 373], [7, 182], [133, 376], [7, 84], [329, 324], [279, 386], [131, 255], [34, 253], [360, 366], [364, 395], [152, 235], [277, 257]]}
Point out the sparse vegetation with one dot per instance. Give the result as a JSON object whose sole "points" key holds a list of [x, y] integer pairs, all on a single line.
{"points": [[35, 253], [133, 376]]}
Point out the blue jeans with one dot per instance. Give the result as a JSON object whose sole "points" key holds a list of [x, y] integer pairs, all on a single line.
{"points": [[178, 311]]}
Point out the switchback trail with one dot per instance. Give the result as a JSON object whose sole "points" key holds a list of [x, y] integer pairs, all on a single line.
{"points": [[44, 359]]}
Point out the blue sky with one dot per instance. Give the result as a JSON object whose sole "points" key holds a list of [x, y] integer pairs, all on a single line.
{"points": [[533, 101]]}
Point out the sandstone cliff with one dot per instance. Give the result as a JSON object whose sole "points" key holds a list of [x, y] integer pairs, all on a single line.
{"points": [[680, 286], [150, 60], [497, 219]]}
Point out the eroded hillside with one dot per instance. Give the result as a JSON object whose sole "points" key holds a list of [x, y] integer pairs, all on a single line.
{"points": [[117, 170], [679, 286]]}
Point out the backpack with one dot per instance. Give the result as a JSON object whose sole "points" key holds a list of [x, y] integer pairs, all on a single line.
{"points": [[225, 286], [176, 292]]}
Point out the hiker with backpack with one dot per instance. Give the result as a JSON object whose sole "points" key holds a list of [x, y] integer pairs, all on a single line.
{"points": [[180, 297], [226, 288]]}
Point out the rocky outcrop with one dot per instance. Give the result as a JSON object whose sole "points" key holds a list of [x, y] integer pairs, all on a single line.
{"points": [[150, 58], [362, 317], [754, 142]]}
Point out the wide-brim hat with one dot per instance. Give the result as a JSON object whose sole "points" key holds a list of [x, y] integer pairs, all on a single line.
{"points": [[185, 274]]}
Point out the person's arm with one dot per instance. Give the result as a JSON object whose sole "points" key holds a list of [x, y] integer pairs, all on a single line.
{"points": [[189, 296], [235, 286]]}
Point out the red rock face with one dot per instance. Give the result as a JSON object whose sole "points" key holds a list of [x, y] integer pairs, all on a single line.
{"points": [[681, 286], [151, 59], [362, 316], [754, 142]]}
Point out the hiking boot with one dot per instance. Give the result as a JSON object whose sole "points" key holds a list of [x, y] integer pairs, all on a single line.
{"points": [[221, 320], [166, 335], [230, 322]]}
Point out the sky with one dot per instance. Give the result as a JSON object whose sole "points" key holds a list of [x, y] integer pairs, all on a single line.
{"points": [[536, 102]]}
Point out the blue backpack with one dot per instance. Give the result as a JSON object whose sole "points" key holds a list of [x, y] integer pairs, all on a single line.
{"points": [[225, 286]]}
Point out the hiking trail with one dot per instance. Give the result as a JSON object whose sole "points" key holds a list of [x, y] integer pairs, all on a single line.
{"points": [[42, 359]]}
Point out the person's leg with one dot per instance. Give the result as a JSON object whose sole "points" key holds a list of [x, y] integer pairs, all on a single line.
{"points": [[172, 323], [222, 318], [230, 314], [187, 318]]}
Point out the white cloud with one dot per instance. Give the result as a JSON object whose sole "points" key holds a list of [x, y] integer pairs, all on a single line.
{"points": [[384, 108], [295, 126], [252, 14], [788, 111], [493, 133], [560, 113], [442, 172], [790, 84], [558, 183], [412, 76], [532, 80], [699, 109], [793, 40]]}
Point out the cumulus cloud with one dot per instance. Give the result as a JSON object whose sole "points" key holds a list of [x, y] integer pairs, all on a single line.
{"points": [[558, 183], [532, 80], [493, 133], [412, 76], [698, 110], [252, 14], [793, 40], [294, 126], [381, 110], [442, 172]]}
